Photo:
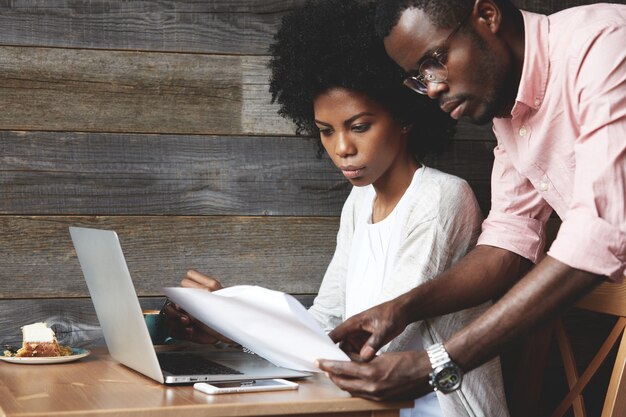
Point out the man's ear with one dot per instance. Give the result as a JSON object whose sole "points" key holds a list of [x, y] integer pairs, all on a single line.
{"points": [[488, 15]]}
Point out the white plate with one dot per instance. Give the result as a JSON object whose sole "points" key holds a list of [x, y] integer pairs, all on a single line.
{"points": [[77, 353]]}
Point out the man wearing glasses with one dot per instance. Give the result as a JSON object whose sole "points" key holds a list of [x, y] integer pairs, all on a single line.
{"points": [[555, 87]]}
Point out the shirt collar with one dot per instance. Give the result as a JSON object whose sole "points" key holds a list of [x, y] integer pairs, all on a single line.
{"points": [[535, 71]]}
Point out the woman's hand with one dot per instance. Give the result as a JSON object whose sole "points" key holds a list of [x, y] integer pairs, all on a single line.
{"points": [[195, 279], [185, 327]]}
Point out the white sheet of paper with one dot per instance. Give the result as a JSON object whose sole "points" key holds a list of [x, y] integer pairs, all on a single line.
{"points": [[272, 324]]}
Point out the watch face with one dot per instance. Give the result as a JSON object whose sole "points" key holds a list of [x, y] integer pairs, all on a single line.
{"points": [[448, 379]]}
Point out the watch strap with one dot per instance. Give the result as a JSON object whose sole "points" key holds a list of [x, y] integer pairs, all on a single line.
{"points": [[438, 355]]}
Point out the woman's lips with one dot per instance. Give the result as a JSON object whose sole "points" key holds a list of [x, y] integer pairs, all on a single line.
{"points": [[351, 172]]}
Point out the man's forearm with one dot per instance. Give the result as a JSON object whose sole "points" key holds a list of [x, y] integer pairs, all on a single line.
{"points": [[484, 274], [545, 292]]}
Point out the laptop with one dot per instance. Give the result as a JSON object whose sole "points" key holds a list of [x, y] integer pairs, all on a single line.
{"points": [[126, 334]]}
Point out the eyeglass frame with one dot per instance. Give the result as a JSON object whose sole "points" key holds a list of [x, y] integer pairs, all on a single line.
{"points": [[413, 81]]}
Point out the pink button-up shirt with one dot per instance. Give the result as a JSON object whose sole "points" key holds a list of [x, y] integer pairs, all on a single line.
{"points": [[564, 148]]}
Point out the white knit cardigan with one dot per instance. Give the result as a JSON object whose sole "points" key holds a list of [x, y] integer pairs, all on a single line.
{"points": [[439, 228]]}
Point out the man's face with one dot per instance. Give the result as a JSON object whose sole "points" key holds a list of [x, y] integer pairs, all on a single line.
{"points": [[477, 64]]}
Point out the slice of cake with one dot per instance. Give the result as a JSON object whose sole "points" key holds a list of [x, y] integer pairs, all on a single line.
{"points": [[38, 340]]}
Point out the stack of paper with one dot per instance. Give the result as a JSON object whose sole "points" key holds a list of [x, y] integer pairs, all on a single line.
{"points": [[270, 323]]}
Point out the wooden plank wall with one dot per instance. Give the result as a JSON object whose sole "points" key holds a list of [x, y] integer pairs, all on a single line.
{"points": [[152, 118]]}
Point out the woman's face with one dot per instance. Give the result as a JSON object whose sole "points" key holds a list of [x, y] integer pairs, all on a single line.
{"points": [[360, 136]]}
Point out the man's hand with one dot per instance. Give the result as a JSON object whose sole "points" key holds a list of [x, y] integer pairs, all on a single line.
{"points": [[390, 376], [483, 274], [365, 333]]}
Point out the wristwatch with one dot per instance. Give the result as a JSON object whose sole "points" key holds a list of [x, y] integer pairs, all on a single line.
{"points": [[446, 376]]}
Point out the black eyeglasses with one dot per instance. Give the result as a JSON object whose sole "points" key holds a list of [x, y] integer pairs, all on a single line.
{"points": [[432, 69]]}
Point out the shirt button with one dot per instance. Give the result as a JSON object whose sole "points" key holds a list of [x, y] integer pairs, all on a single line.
{"points": [[522, 131], [537, 102], [543, 186]]}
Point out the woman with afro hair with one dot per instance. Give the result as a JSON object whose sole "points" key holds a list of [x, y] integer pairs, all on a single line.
{"points": [[403, 222]]}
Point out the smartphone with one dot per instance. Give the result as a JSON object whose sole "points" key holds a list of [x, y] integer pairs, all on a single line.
{"points": [[245, 386]]}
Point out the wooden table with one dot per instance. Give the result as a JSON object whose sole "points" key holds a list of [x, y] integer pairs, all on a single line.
{"points": [[97, 385]]}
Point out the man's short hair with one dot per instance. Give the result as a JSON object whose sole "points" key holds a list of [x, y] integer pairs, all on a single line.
{"points": [[442, 13]]}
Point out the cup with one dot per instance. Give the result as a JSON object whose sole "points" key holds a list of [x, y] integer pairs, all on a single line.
{"points": [[155, 322]]}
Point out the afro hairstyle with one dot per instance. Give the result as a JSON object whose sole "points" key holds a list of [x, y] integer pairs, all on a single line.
{"points": [[333, 44]]}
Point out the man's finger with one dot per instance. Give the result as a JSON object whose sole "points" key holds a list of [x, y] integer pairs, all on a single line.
{"points": [[344, 369], [356, 386], [355, 357], [339, 333], [369, 349]]}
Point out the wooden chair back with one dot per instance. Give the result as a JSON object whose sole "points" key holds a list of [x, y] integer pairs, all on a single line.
{"points": [[608, 299], [524, 401]]}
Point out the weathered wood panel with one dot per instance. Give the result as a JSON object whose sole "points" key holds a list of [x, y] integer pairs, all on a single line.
{"points": [[468, 159], [73, 319], [135, 92], [86, 90], [76, 173], [468, 131], [237, 27], [140, 92], [104, 174], [284, 253]]}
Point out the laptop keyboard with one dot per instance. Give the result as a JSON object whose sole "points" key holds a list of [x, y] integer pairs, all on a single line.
{"points": [[190, 364]]}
